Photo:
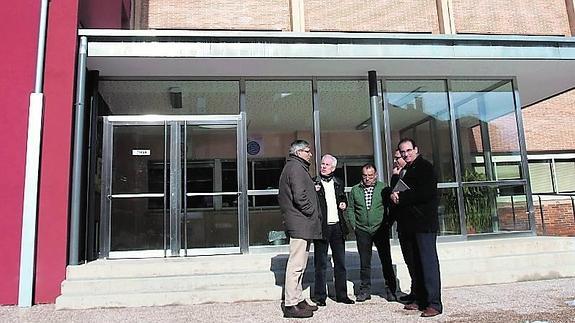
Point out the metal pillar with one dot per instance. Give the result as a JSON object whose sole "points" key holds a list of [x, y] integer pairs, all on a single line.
{"points": [[376, 125], [78, 158]]}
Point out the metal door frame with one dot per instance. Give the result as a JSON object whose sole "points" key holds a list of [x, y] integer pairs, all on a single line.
{"points": [[175, 247]]}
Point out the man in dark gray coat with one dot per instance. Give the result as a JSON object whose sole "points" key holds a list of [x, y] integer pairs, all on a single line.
{"points": [[300, 210]]}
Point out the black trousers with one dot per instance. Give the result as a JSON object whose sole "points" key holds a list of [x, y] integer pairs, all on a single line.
{"points": [[336, 241], [365, 242], [420, 253], [407, 244]]}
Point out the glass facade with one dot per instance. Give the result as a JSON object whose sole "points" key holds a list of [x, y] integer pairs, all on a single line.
{"points": [[467, 128]]}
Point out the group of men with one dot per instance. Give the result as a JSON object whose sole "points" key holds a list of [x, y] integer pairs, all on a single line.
{"points": [[318, 211]]}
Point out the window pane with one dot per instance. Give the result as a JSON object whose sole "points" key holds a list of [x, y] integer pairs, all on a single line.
{"points": [[278, 112], [540, 176], [345, 121], [486, 125], [420, 110], [171, 97], [565, 174]]}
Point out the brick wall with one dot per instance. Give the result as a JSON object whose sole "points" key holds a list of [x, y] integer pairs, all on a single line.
{"points": [[372, 15], [558, 218], [533, 17], [215, 14], [549, 124]]}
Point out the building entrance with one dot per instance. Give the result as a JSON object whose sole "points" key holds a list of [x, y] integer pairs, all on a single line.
{"points": [[171, 186]]}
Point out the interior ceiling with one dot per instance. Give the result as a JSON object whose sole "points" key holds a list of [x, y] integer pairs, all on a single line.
{"points": [[537, 79], [291, 101]]}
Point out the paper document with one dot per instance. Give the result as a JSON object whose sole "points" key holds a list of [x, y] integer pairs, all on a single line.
{"points": [[400, 186]]}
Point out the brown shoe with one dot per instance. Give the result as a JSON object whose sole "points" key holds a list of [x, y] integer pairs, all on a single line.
{"points": [[429, 312], [411, 307], [296, 312], [303, 305]]}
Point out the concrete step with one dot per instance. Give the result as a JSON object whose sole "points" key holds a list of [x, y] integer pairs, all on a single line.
{"points": [[147, 282]]}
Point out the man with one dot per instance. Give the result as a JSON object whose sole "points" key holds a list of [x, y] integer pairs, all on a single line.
{"points": [[398, 172], [418, 225], [366, 216], [333, 202], [299, 205]]}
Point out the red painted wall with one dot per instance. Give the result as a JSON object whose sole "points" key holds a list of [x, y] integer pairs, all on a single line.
{"points": [[19, 26], [61, 53]]}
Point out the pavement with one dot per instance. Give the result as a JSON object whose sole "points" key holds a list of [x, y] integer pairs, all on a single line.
{"points": [[527, 302]]}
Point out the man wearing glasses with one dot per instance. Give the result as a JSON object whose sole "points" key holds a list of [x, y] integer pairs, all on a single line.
{"points": [[367, 216], [299, 205], [418, 225], [397, 173]]}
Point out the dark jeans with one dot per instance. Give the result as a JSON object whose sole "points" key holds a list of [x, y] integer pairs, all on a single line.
{"points": [[424, 263], [336, 242], [365, 242]]}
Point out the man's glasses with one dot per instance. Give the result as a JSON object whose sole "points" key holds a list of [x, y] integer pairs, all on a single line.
{"points": [[405, 152]]}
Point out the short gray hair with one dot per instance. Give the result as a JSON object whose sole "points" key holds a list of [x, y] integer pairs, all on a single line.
{"points": [[333, 159], [298, 145]]}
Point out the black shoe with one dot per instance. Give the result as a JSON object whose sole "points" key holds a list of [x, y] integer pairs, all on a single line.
{"points": [[296, 312], [346, 300], [409, 298], [303, 305], [362, 297], [319, 302], [391, 296]]}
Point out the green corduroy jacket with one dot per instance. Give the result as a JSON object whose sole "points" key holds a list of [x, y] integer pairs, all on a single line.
{"points": [[359, 216]]}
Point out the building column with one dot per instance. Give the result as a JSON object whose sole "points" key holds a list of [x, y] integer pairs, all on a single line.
{"points": [[570, 5], [445, 16], [297, 13]]}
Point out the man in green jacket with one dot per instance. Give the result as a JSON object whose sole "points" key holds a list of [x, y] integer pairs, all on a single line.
{"points": [[368, 217]]}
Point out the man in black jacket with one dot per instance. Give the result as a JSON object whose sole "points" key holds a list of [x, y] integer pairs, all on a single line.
{"points": [[299, 205], [417, 224], [333, 202]]}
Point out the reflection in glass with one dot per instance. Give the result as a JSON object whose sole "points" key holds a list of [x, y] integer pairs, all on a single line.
{"points": [[211, 221], [135, 225], [495, 209], [170, 97], [212, 228], [345, 121], [448, 212], [420, 110], [278, 112], [486, 124], [138, 163]]}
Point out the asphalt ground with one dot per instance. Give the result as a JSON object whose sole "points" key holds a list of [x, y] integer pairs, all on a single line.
{"points": [[527, 302]]}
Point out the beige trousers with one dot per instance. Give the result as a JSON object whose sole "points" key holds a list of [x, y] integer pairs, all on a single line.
{"points": [[297, 261]]}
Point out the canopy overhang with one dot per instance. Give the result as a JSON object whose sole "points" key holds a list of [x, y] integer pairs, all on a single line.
{"points": [[542, 66]]}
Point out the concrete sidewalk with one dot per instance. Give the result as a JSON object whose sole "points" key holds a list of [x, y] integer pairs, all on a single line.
{"points": [[543, 301]]}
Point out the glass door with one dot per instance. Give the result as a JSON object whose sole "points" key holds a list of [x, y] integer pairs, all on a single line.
{"points": [[171, 186]]}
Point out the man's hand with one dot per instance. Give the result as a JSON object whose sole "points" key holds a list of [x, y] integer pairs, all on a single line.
{"points": [[342, 206], [394, 197]]}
